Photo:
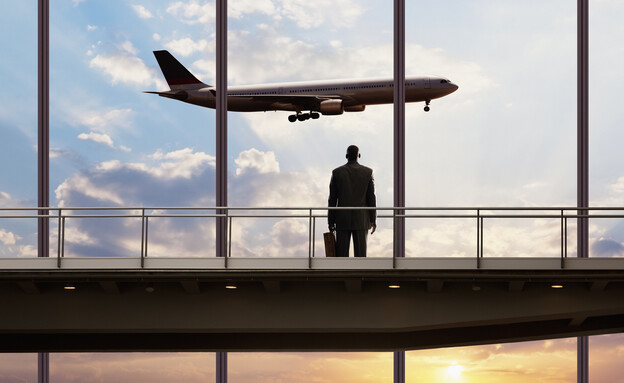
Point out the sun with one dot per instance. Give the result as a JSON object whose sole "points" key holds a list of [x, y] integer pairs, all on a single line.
{"points": [[454, 370]]}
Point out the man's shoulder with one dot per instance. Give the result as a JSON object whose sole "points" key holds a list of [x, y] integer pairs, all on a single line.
{"points": [[365, 169], [350, 166], [340, 168]]}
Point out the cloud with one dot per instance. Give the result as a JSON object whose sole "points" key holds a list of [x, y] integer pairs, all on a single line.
{"points": [[240, 8], [604, 247], [5, 199], [13, 246], [278, 57], [186, 46], [122, 66], [81, 184], [259, 161], [103, 124], [8, 238], [164, 179], [186, 177], [97, 137], [142, 12], [192, 12], [328, 13], [101, 139], [343, 14]]}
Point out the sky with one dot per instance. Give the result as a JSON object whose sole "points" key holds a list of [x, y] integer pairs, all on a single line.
{"points": [[506, 138]]}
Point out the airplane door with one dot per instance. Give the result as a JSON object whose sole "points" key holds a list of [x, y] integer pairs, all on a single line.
{"points": [[427, 83]]}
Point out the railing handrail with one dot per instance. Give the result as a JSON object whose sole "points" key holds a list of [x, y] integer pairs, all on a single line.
{"points": [[424, 208], [479, 214]]}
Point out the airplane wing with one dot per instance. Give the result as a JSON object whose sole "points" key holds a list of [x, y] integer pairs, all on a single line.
{"points": [[304, 102]]}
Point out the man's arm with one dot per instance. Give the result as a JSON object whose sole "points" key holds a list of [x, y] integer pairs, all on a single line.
{"points": [[371, 201]]}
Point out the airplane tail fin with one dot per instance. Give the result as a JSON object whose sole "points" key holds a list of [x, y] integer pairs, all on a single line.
{"points": [[176, 74]]}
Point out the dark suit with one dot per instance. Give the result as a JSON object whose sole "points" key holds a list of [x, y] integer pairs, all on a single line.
{"points": [[351, 185]]}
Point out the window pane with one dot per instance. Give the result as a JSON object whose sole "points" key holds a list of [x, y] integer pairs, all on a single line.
{"points": [[543, 361], [132, 367], [18, 368], [605, 121], [289, 367], [507, 136], [605, 358], [114, 144], [18, 126], [279, 163]]}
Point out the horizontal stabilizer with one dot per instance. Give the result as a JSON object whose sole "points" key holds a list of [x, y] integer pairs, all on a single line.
{"points": [[179, 95]]}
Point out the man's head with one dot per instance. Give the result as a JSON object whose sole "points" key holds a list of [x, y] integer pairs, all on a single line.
{"points": [[353, 153]]}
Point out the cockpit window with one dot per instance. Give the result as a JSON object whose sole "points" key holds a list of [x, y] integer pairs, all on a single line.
{"points": [[444, 81]]}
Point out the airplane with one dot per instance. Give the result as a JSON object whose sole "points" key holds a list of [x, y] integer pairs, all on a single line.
{"points": [[328, 97]]}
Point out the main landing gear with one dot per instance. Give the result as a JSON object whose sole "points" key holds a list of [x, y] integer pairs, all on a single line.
{"points": [[303, 116], [427, 108]]}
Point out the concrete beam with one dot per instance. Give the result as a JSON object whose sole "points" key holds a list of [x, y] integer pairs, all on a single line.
{"points": [[109, 287], [516, 286], [434, 285], [272, 286], [28, 287], [191, 287]]}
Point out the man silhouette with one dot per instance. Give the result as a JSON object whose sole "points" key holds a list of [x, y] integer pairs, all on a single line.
{"points": [[352, 185]]}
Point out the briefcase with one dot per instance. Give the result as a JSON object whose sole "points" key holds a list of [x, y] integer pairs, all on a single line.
{"points": [[330, 244]]}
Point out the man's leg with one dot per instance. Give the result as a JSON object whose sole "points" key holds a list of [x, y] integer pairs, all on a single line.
{"points": [[359, 242], [343, 237]]}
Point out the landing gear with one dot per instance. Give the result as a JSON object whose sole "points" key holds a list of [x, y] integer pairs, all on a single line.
{"points": [[427, 108], [303, 116]]}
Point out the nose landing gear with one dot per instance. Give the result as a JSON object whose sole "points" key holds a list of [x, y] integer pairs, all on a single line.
{"points": [[427, 108]]}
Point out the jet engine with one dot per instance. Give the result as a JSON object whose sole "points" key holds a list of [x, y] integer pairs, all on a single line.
{"points": [[331, 107], [355, 108]]}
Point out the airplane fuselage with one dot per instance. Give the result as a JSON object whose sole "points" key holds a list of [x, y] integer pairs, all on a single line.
{"points": [[356, 94]]}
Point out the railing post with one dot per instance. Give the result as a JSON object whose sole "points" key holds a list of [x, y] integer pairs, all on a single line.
{"points": [[310, 239], [229, 230], [313, 236], [62, 240], [478, 237], [226, 248], [146, 236], [394, 248], [563, 238], [58, 234], [142, 238]]}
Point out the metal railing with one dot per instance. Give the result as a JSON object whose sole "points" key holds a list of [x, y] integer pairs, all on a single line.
{"points": [[312, 214]]}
